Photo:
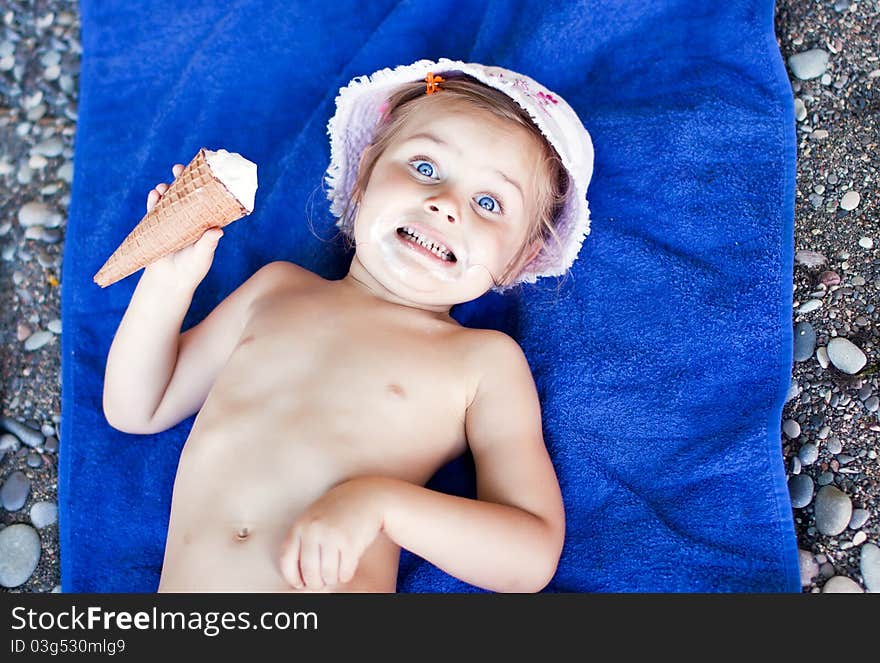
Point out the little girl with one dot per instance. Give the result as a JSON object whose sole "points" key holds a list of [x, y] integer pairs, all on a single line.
{"points": [[450, 179]]}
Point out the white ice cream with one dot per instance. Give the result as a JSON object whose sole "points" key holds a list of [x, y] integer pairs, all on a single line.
{"points": [[237, 174]]}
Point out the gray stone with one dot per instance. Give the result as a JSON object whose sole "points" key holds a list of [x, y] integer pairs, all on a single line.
{"points": [[825, 478], [31, 437], [850, 200], [37, 214], [833, 510], [37, 340], [809, 567], [810, 259], [791, 428], [800, 110], [804, 341], [15, 491], [866, 242], [869, 565], [800, 488], [9, 442], [845, 355], [859, 518], [19, 554], [842, 585], [51, 147], [809, 453], [810, 305], [809, 64], [872, 403], [793, 390], [44, 514]]}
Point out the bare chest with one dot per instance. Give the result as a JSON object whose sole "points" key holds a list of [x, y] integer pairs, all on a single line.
{"points": [[343, 390]]}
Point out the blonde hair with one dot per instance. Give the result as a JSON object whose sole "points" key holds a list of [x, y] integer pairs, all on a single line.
{"points": [[551, 188]]}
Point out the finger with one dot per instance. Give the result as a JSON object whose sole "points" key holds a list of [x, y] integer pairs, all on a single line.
{"points": [[330, 564], [347, 566], [152, 199], [310, 563], [162, 188], [213, 235], [290, 562], [177, 169]]}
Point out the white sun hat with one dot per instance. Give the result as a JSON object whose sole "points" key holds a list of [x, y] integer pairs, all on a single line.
{"points": [[359, 109]]}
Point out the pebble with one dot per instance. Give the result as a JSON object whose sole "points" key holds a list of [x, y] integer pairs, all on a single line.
{"points": [[44, 514], [825, 478], [809, 567], [859, 538], [834, 446], [842, 585], [804, 341], [846, 355], [810, 259], [37, 214], [866, 243], [793, 390], [19, 554], [869, 564], [791, 428], [833, 510], [34, 460], [810, 305], [800, 488], [822, 356], [809, 453], [15, 491], [872, 404], [850, 200], [829, 278], [26, 434], [809, 64], [9, 442], [37, 340]]}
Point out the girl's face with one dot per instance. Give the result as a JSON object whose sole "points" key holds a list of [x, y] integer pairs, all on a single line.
{"points": [[448, 205]]}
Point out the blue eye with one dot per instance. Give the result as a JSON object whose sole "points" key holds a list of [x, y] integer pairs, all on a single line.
{"points": [[425, 168], [489, 203]]}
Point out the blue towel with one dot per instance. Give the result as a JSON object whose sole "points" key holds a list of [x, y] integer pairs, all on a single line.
{"points": [[662, 361]]}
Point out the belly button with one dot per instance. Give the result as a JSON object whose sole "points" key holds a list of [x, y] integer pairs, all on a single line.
{"points": [[242, 533]]}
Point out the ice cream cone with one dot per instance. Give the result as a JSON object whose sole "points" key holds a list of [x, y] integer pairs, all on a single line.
{"points": [[197, 200]]}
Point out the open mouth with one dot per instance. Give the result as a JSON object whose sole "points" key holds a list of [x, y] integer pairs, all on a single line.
{"points": [[428, 246]]}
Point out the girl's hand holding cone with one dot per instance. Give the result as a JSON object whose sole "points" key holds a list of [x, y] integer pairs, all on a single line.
{"points": [[188, 266], [216, 188]]}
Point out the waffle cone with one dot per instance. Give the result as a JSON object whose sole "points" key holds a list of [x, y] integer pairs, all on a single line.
{"points": [[195, 202]]}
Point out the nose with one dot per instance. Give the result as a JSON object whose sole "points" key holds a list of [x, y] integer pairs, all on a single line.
{"points": [[443, 205]]}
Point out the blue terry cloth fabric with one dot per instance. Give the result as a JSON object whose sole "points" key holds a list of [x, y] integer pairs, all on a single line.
{"points": [[663, 360]]}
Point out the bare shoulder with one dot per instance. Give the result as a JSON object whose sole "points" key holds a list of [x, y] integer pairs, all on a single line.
{"points": [[279, 275], [281, 272], [489, 346], [493, 359]]}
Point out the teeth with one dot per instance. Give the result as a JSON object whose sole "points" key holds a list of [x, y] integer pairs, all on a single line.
{"points": [[438, 250]]}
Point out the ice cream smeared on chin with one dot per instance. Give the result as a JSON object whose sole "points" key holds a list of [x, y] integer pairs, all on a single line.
{"points": [[236, 173]]}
